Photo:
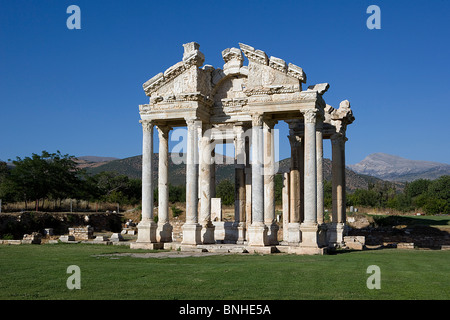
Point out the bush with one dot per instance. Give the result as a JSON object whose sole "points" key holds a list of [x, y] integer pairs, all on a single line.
{"points": [[176, 211]]}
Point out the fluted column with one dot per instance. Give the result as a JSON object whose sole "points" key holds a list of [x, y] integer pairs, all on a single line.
{"points": [[206, 146], [192, 229], [338, 189], [320, 197], [269, 181], [164, 231], [257, 230], [285, 195], [309, 227], [147, 227], [295, 183], [239, 173]]}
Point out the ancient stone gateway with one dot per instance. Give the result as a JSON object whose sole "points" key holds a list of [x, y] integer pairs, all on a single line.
{"points": [[242, 104]]}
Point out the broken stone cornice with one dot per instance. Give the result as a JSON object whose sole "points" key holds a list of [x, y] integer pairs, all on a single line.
{"points": [[321, 88]]}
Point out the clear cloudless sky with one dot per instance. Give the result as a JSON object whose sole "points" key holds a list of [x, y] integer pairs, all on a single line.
{"points": [[78, 91]]}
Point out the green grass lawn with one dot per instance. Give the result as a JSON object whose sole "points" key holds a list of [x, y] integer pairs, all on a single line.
{"points": [[39, 272]]}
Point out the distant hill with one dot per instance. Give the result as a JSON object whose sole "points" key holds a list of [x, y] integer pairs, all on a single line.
{"points": [[96, 159], [177, 172], [92, 161], [394, 168]]}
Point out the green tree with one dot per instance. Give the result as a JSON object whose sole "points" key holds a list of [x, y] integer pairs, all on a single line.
{"points": [[225, 191], [41, 176]]}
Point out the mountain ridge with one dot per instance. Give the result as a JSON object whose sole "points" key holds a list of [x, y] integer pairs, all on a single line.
{"points": [[394, 168], [132, 167]]}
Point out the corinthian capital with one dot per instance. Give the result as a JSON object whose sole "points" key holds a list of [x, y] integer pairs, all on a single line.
{"points": [[310, 115], [147, 125], [257, 119]]}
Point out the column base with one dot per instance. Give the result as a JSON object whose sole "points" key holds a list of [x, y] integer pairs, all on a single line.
{"points": [[335, 235], [272, 233], [191, 234], [164, 232], [257, 234], [147, 232], [294, 234], [207, 233], [310, 232]]}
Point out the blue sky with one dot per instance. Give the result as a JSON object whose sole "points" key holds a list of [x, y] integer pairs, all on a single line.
{"points": [[78, 91]]}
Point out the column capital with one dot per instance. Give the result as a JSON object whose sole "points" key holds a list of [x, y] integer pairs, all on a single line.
{"points": [[257, 119], [190, 121], [147, 125], [310, 115], [338, 138]]}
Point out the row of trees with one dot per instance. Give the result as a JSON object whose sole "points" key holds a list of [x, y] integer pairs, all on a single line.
{"points": [[55, 176], [429, 196]]}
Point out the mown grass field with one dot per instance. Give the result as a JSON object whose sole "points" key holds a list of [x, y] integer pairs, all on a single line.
{"points": [[39, 272]]}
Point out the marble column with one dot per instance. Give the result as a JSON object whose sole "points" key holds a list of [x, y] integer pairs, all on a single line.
{"points": [[269, 182], [248, 186], [319, 166], [258, 230], [336, 231], [295, 184], [213, 170], [239, 173], [164, 230], [309, 227], [191, 228], [285, 196], [147, 227], [207, 234]]}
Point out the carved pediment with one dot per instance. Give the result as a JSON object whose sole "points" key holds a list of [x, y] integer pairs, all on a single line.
{"points": [[183, 77]]}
